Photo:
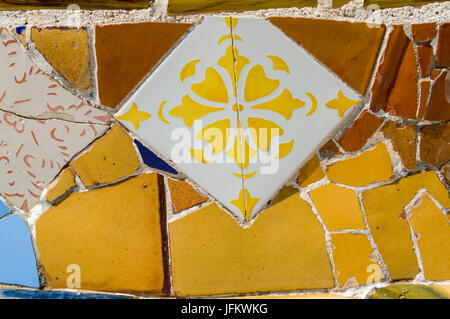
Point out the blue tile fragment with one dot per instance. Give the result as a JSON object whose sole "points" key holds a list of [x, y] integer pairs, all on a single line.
{"points": [[152, 160], [17, 258], [20, 29], [4, 210], [48, 294]]}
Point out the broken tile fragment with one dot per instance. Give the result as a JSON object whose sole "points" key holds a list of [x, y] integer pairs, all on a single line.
{"points": [[408, 291], [424, 88], [33, 152], [445, 171], [424, 58], [432, 233], [152, 160], [329, 150], [345, 215], [342, 44], [423, 32], [362, 128], [443, 46], [284, 249], [352, 256], [203, 6], [113, 234], [67, 50], [311, 172], [402, 100], [19, 33], [183, 195], [61, 186], [404, 141], [4, 210], [142, 45], [439, 104], [29, 92], [17, 259], [110, 158], [384, 208], [371, 166], [435, 144], [387, 70], [63, 4]]}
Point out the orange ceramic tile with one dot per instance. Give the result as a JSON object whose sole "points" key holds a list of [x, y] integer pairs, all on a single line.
{"points": [[432, 233], [435, 73], [404, 141], [387, 70], [371, 166], [284, 249], [423, 32], [423, 97], [128, 52], [345, 215], [108, 238], [63, 184], [311, 172], [67, 50], [352, 260], [387, 220], [341, 44], [183, 195], [435, 144], [110, 158], [402, 99], [443, 46], [360, 131], [424, 58], [439, 105], [329, 149]]}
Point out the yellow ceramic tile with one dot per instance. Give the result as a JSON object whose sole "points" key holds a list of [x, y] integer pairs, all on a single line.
{"points": [[338, 207], [110, 237], [369, 167], [352, 260], [110, 158], [61, 185], [299, 296], [284, 249], [432, 232], [387, 221], [67, 50], [311, 172]]}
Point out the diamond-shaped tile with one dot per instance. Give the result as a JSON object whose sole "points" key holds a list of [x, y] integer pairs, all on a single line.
{"points": [[238, 107]]}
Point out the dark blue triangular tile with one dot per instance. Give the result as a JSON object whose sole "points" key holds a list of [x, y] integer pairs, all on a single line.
{"points": [[152, 160]]}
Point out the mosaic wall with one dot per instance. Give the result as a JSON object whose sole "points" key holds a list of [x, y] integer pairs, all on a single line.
{"points": [[293, 153]]}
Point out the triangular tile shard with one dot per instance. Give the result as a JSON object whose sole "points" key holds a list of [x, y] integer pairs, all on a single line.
{"points": [[246, 106]]}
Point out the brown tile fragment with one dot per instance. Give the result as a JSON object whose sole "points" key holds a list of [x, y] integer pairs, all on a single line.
{"points": [[439, 105], [183, 195], [127, 52], [329, 149], [424, 58], [402, 99], [435, 73], [443, 46], [342, 44], [404, 141], [435, 144], [445, 171], [360, 131], [387, 70], [67, 50], [423, 32], [423, 98]]}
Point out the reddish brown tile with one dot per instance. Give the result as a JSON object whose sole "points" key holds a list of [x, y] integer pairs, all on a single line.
{"points": [[184, 195], [342, 44], [329, 149], [387, 70], [435, 144], [404, 141], [402, 99], [362, 129], [423, 98], [424, 58], [443, 47], [423, 32], [439, 105], [127, 52]]}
